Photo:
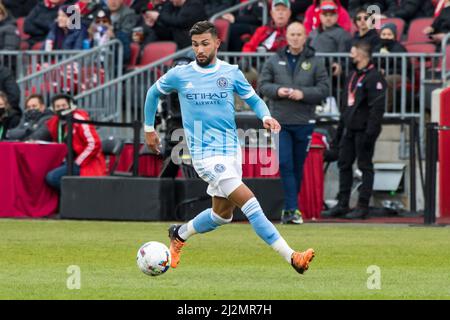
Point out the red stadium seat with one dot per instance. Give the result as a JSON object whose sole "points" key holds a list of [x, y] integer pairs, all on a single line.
{"points": [[415, 32], [157, 50], [38, 46], [399, 23], [135, 48], [223, 30]]}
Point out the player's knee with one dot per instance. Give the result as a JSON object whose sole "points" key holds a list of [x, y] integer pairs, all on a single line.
{"points": [[223, 216]]}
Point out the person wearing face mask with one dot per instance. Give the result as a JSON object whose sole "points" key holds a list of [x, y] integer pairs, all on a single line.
{"points": [[32, 125], [86, 144], [9, 117], [362, 109], [391, 68]]}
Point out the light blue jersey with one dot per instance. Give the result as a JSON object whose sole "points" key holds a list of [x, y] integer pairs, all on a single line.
{"points": [[206, 98]]}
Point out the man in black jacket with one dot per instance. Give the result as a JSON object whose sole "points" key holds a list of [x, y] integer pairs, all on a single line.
{"points": [[359, 127], [175, 19], [19, 8]]}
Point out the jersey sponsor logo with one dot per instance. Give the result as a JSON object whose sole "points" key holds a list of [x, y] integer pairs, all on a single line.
{"points": [[222, 82], [204, 96], [219, 168]]}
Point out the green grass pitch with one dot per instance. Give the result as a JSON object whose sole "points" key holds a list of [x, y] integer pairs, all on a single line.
{"points": [[229, 263]]}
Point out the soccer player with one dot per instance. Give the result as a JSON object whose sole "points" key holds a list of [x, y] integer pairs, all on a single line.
{"points": [[205, 88]]}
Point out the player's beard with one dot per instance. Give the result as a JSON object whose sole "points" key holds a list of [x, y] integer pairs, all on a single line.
{"points": [[206, 62]]}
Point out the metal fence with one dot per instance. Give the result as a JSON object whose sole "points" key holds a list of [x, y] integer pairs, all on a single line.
{"points": [[411, 78], [122, 99], [84, 71], [24, 63]]}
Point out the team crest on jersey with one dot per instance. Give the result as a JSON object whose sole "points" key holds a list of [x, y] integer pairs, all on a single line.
{"points": [[222, 82], [219, 168]]}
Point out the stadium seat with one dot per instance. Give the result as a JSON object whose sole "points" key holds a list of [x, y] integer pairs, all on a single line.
{"points": [[223, 30], [135, 48], [112, 146], [157, 50], [399, 23], [415, 31]]}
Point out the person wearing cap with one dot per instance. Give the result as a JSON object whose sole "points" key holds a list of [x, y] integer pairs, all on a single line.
{"points": [[364, 31], [101, 30], [330, 37], [295, 81], [271, 37], [362, 109], [63, 35], [390, 67], [312, 16], [86, 143]]}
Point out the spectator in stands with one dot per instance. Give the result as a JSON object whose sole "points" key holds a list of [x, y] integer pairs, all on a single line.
{"points": [[123, 20], [138, 5], [214, 6], [364, 31], [19, 8], [271, 37], [174, 20], [89, 159], [409, 10], [9, 37], [440, 26], [391, 68], [88, 10], [9, 86], [386, 7], [64, 35], [39, 21], [32, 126], [330, 36], [243, 24], [312, 16], [144, 33], [9, 118], [101, 30], [299, 8], [295, 81]]}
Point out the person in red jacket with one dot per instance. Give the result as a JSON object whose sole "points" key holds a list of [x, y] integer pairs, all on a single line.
{"points": [[87, 148], [273, 36], [312, 19]]}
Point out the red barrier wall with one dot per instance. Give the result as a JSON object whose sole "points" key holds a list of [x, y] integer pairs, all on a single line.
{"points": [[444, 155]]}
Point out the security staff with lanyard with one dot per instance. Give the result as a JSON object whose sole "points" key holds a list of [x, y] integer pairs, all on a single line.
{"points": [[363, 105]]}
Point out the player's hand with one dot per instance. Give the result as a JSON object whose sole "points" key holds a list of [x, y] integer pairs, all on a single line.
{"points": [[337, 69], [273, 125], [284, 92], [152, 141], [296, 95]]}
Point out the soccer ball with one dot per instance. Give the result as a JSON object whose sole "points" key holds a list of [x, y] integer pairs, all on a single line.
{"points": [[153, 258]]}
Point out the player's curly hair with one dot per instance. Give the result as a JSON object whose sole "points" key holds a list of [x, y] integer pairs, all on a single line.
{"points": [[202, 27]]}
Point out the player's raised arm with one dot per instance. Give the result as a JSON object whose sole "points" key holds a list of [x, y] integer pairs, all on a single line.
{"points": [[248, 94]]}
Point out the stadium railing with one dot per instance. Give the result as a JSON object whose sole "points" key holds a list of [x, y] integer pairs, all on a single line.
{"points": [[83, 71], [236, 7], [417, 73], [122, 99], [24, 63], [445, 58]]}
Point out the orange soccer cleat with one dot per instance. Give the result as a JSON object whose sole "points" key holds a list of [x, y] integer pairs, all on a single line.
{"points": [[176, 244], [300, 260]]}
